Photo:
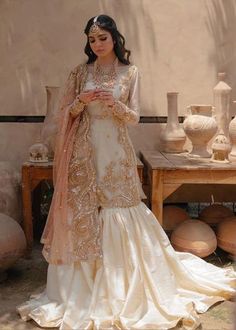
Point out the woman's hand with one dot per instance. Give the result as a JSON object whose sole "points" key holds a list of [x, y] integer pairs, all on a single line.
{"points": [[86, 96], [105, 96]]}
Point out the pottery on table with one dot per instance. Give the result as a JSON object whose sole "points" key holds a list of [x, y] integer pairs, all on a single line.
{"points": [[200, 127], [220, 149], [222, 95], [49, 128], [172, 138], [38, 153]]}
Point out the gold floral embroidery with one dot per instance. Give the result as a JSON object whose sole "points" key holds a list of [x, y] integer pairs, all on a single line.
{"points": [[82, 197], [120, 109], [74, 84], [119, 187], [124, 113]]}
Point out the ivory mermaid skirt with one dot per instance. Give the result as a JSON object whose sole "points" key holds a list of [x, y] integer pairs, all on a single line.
{"points": [[141, 282]]}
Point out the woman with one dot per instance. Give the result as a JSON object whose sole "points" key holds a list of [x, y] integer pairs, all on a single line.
{"points": [[111, 266]]}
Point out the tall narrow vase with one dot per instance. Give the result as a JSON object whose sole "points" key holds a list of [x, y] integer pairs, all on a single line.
{"points": [[172, 137], [48, 132], [222, 94]]}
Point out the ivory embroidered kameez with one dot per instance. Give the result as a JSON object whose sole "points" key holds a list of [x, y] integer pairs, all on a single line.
{"points": [[111, 265]]}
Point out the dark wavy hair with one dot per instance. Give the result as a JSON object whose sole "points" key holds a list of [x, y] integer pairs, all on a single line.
{"points": [[107, 23]]}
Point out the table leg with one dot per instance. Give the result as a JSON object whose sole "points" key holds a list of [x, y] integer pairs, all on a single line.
{"points": [[157, 194], [27, 207]]}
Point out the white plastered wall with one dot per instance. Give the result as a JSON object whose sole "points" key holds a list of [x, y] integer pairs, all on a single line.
{"points": [[178, 45]]}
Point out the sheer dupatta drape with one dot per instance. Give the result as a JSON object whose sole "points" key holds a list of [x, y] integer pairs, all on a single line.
{"points": [[59, 232]]}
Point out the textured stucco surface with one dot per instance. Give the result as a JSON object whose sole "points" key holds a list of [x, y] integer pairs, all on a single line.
{"points": [[177, 45]]}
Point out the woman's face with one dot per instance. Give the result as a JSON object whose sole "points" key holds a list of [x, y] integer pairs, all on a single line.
{"points": [[101, 43]]}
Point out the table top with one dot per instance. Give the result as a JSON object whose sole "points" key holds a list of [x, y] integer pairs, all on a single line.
{"points": [[50, 164], [38, 164], [161, 160]]}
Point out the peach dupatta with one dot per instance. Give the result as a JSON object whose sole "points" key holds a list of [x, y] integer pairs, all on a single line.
{"points": [[62, 239]]}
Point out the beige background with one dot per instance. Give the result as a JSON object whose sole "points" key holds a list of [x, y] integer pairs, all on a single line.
{"points": [[178, 45]]}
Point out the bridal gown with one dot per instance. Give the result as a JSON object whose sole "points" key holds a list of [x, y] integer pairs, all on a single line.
{"points": [[141, 282]]}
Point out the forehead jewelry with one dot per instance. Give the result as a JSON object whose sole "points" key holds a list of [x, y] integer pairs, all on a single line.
{"points": [[94, 29]]}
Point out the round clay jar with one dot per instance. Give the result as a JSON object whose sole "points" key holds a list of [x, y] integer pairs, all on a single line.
{"points": [[194, 236]]}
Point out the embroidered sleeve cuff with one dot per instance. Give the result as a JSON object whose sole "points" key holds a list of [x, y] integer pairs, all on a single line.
{"points": [[124, 113], [77, 107]]}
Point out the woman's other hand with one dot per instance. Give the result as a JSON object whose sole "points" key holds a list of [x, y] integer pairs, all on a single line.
{"points": [[105, 96]]}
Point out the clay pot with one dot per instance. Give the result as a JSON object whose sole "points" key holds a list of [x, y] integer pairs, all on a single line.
{"points": [[10, 192], [215, 213], [194, 236], [222, 94], [200, 127], [12, 241], [173, 216], [220, 149], [226, 235], [49, 129], [172, 138]]}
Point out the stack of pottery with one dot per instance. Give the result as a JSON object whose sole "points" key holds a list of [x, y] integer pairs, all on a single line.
{"points": [[194, 236], [172, 138], [200, 127]]}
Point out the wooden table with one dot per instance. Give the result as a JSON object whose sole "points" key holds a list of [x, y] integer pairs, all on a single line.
{"points": [[32, 175], [167, 172]]}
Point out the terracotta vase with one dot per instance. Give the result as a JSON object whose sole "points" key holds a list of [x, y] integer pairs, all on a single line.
{"points": [[12, 241], [173, 216], [222, 94], [200, 127], [172, 137], [194, 236], [49, 129], [232, 135], [226, 234], [215, 213]]}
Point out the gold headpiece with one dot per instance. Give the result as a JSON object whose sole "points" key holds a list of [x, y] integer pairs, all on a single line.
{"points": [[94, 29]]}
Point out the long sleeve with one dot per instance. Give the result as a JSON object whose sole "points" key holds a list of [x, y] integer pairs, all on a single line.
{"points": [[130, 112], [69, 101]]}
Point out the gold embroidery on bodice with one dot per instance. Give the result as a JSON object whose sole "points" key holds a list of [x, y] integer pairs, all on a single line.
{"points": [[119, 186]]}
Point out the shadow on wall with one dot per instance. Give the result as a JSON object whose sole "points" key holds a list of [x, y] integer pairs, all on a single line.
{"points": [[40, 43], [221, 23], [137, 23]]}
